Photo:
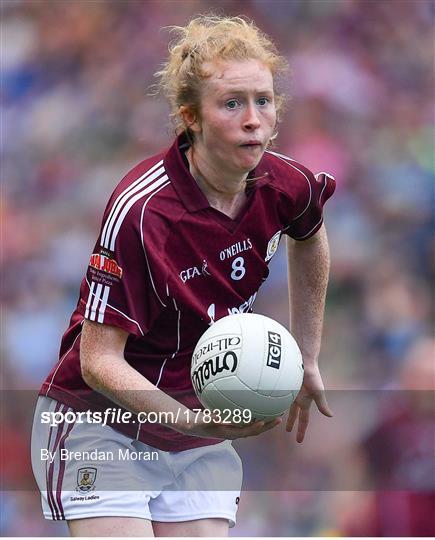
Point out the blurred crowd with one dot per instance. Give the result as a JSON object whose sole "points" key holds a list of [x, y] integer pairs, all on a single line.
{"points": [[77, 114]]}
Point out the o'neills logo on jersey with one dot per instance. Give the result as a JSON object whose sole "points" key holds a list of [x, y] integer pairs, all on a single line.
{"points": [[236, 248], [105, 264]]}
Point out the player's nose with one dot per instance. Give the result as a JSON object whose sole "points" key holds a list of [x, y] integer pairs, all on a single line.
{"points": [[251, 120]]}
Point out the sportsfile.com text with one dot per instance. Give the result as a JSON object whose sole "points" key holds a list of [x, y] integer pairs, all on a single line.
{"points": [[113, 415]]}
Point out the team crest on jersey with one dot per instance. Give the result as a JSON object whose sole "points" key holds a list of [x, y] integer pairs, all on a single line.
{"points": [[272, 246], [102, 262], [86, 479]]}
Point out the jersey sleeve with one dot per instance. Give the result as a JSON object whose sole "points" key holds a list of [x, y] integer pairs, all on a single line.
{"points": [[315, 190], [125, 280]]}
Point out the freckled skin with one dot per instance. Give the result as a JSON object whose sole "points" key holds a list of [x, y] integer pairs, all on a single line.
{"points": [[237, 106], [308, 263]]}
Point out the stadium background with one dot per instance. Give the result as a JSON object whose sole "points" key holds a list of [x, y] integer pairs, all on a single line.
{"points": [[76, 116]]}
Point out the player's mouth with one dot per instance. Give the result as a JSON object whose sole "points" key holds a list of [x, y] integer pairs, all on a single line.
{"points": [[252, 144]]}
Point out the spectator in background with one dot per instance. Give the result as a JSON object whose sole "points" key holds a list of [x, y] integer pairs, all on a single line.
{"points": [[400, 456]]}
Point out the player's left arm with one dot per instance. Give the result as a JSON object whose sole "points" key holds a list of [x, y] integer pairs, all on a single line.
{"points": [[308, 263]]}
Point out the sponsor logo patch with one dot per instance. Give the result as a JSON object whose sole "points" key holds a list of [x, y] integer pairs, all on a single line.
{"points": [[274, 352], [102, 262]]}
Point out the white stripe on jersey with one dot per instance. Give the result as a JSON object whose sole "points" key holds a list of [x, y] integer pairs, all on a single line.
{"points": [[147, 183], [122, 197], [53, 468], [329, 175], [127, 317], [161, 371], [282, 157], [321, 218], [143, 245], [279, 155], [103, 304], [101, 295], [178, 328], [119, 311], [178, 342], [88, 304], [95, 302], [127, 207]]}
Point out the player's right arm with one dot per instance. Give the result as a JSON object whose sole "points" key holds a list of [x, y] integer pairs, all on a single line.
{"points": [[105, 369]]}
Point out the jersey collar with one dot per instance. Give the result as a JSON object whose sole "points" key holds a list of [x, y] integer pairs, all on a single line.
{"points": [[183, 182]]}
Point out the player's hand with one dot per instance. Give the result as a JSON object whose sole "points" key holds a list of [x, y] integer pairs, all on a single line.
{"points": [[219, 430], [312, 390]]}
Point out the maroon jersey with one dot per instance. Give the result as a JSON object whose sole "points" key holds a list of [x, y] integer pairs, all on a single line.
{"points": [[167, 265]]}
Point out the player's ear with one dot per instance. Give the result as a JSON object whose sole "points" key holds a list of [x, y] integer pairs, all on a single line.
{"points": [[190, 118]]}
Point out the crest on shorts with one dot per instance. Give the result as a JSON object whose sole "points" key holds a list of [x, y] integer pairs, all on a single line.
{"points": [[86, 479], [272, 246]]}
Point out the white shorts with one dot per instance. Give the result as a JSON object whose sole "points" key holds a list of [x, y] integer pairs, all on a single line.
{"points": [[114, 475]]}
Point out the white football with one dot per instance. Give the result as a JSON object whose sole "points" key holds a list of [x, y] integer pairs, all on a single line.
{"points": [[247, 361]]}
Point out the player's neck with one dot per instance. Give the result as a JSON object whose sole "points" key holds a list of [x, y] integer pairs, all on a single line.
{"points": [[212, 180], [226, 196]]}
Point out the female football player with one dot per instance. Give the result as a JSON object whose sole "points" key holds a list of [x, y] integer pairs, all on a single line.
{"points": [[186, 239]]}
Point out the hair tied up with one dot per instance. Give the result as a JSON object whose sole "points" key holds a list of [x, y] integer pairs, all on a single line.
{"points": [[188, 52], [210, 38]]}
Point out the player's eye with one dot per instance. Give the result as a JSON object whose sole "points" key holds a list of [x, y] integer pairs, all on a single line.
{"points": [[232, 104], [263, 101]]}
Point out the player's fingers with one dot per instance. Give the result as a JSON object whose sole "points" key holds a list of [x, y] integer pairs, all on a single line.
{"points": [[292, 416], [304, 400], [271, 424], [238, 432], [322, 404], [254, 429], [304, 418], [262, 426]]}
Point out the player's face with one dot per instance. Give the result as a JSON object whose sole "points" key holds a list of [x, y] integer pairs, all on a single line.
{"points": [[238, 114]]}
